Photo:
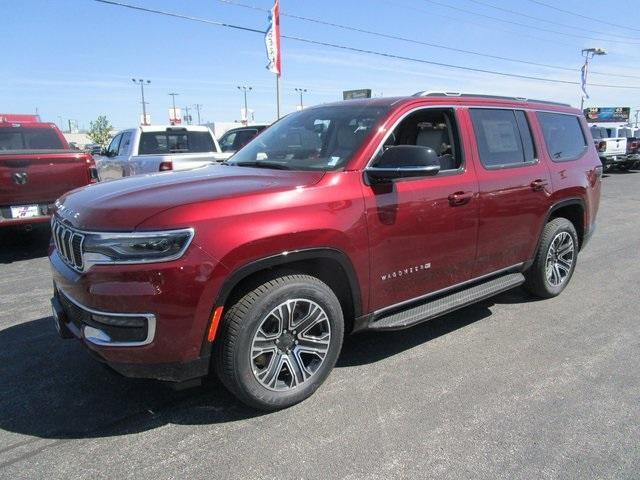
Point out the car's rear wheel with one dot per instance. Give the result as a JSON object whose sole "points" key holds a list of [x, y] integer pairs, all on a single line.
{"points": [[279, 342], [555, 260]]}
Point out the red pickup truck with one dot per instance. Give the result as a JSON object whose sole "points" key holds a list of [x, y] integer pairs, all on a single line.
{"points": [[36, 167], [371, 214]]}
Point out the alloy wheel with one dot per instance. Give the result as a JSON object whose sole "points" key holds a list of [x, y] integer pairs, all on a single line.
{"points": [[290, 345], [560, 258]]}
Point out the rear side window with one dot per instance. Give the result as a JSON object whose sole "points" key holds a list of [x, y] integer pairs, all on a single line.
{"points": [[563, 135], [503, 136], [19, 138], [175, 142]]}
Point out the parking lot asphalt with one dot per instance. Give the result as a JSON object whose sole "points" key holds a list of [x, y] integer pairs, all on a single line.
{"points": [[509, 388]]}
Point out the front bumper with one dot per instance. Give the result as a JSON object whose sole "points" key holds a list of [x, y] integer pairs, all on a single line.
{"points": [[143, 320]]}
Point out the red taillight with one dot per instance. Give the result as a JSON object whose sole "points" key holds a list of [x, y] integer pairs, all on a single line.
{"points": [[602, 146], [165, 166]]}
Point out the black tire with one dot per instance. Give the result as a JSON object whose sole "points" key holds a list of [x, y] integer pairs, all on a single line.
{"points": [[537, 281], [232, 358]]}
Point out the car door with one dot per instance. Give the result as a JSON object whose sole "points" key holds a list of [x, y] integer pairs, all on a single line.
{"points": [[514, 188], [105, 164], [422, 231], [121, 161]]}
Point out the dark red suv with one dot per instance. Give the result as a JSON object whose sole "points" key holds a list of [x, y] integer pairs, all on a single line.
{"points": [[361, 215]]}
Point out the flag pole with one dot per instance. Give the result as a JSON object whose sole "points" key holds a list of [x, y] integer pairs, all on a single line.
{"points": [[278, 97]]}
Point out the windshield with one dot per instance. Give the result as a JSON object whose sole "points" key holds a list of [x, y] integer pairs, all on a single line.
{"points": [[19, 138], [320, 138]]}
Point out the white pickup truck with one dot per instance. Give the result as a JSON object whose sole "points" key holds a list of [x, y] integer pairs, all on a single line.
{"points": [[158, 148], [611, 143]]}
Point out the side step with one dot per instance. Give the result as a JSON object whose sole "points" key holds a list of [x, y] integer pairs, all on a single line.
{"points": [[448, 303]]}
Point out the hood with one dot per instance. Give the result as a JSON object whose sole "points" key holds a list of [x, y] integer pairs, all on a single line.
{"points": [[121, 205]]}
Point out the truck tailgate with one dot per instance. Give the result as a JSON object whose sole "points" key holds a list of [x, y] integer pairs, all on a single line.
{"points": [[616, 146], [36, 177]]}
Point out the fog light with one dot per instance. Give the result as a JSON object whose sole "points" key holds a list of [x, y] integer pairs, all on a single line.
{"points": [[94, 335]]}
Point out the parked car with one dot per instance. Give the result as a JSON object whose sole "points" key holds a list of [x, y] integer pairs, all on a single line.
{"points": [[158, 148], [36, 167], [612, 147], [93, 149], [374, 214], [633, 152], [236, 138]]}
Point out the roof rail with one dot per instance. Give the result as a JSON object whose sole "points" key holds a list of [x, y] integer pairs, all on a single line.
{"points": [[428, 93]]}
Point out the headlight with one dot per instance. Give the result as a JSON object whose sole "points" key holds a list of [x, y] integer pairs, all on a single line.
{"points": [[138, 247]]}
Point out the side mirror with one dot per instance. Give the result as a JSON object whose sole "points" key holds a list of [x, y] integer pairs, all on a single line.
{"points": [[403, 161]]}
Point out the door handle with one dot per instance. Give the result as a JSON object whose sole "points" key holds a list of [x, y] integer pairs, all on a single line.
{"points": [[460, 198], [538, 184]]}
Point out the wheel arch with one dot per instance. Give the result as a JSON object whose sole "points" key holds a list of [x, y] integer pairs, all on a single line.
{"points": [[330, 265], [574, 210]]}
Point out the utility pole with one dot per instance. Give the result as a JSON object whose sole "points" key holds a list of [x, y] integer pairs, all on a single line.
{"points": [[588, 54], [197, 107], [244, 89], [301, 91], [186, 115], [173, 98], [141, 82]]}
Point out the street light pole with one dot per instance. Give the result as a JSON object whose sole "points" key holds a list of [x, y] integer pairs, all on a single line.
{"points": [[141, 82], [301, 91], [173, 100], [588, 54], [244, 89]]}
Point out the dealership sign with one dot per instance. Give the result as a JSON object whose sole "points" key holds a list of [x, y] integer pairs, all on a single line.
{"points": [[353, 94], [607, 114]]}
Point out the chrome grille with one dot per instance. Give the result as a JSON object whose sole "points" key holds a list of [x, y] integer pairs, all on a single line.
{"points": [[68, 242]]}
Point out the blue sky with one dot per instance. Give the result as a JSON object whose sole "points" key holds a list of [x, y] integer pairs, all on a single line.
{"points": [[75, 59]]}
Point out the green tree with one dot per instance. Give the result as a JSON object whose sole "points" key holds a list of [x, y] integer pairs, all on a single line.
{"points": [[100, 131]]}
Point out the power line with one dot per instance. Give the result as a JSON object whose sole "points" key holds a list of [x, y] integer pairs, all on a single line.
{"points": [[599, 20], [493, 28], [536, 27], [540, 19], [361, 50], [418, 42]]}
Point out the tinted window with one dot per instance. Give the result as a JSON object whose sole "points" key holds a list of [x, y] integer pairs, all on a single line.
{"points": [[563, 135], [179, 141], [499, 139], [525, 135], [243, 137], [19, 138], [318, 138], [123, 149], [112, 151], [226, 142]]}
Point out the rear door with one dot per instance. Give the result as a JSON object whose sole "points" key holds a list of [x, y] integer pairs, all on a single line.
{"points": [[514, 188]]}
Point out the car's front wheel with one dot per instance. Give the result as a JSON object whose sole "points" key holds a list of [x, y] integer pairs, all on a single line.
{"points": [[279, 342]]}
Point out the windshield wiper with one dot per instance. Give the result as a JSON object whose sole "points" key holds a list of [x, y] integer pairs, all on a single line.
{"points": [[262, 164]]}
